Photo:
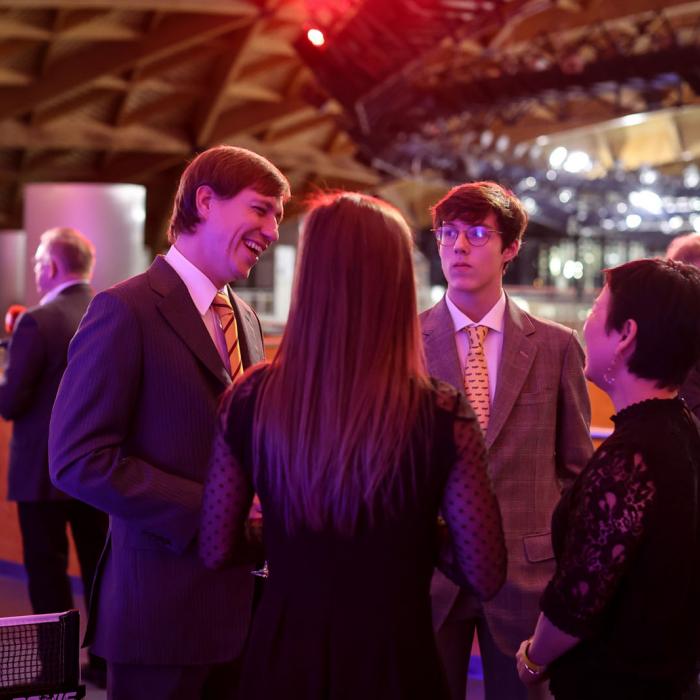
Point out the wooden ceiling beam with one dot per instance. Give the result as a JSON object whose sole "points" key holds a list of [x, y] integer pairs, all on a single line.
{"points": [[592, 14], [231, 8], [73, 73], [10, 47], [190, 54], [60, 110], [143, 114], [253, 116], [12, 28], [89, 136], [151, 25], [227, 68], [14, 78], [266, 65], [312, 123], [140, 167]]}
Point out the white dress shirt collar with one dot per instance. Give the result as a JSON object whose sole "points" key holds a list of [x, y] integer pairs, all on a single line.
{"points": [[198, 284], [493, 319]]}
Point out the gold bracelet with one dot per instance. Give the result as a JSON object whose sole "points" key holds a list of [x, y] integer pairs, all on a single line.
{"points": [[530, 666]]}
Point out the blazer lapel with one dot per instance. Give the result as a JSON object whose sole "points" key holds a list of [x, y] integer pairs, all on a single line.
{"points": [[517, 357], [440, 347], [180, 313], [249, 338]]}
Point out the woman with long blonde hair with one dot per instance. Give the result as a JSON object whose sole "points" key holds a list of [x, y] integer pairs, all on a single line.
{"points": [[353, 450]]}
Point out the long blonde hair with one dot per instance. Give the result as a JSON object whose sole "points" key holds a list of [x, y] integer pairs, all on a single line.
{"points": [[337, 408]]}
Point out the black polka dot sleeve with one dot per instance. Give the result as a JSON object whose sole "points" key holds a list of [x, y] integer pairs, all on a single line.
{"points": [[476, 546], [228, 494]]}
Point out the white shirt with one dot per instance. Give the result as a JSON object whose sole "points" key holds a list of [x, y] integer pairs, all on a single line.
{"points": [[51, 295], [493, 343], [202, 292]]}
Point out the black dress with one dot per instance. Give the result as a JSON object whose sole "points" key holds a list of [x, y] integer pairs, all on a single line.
{"points": [[345, 618], [628, 549]]}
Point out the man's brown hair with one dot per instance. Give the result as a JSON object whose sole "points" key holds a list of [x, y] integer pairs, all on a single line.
{"points": [[472, 202], [227, 170]]}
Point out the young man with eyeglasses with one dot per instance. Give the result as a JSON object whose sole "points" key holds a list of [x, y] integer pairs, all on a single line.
{"points": [[524, 378]]}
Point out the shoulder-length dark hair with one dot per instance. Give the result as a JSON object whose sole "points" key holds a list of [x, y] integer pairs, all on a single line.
{"points": [[663, 298], [339, 403]]}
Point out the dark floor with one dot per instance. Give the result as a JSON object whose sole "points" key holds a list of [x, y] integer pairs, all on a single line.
{"points": [[14, 601]]}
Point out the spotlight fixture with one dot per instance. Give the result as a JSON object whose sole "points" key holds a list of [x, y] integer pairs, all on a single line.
{"points": [[316, 37]]}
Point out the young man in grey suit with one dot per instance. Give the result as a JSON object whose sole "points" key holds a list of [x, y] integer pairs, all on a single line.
{"points": [[524, 378], [36, 360], [132, 428]]}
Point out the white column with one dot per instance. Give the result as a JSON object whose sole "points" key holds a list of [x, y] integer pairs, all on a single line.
{"points": [[13, 261], [112, 216], [285, 256]]}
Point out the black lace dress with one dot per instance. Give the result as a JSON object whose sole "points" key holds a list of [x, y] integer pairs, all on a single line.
{"points": [[349, 618], [628, 578]]}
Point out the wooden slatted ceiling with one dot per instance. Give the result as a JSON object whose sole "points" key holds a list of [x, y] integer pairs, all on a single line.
{"points": [[129, 90]]}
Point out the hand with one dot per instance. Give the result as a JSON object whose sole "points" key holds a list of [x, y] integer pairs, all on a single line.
{"points": [[528, 672]]}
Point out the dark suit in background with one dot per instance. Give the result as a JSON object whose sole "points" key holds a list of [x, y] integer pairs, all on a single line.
{"points": [[131, 433], [36, 361]]}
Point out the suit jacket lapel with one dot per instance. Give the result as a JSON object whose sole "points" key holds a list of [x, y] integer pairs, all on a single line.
{"points": [[248, 332], [517, 357], [178, 310], [440, 347]]}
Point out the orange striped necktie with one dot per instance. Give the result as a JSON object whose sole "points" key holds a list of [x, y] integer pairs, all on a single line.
{"points": [[476, 375], [224, 310]]}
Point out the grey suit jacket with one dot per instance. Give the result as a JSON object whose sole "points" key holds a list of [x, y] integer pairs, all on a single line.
{"points": [[131, 433], [538, 440], [36, 360]]}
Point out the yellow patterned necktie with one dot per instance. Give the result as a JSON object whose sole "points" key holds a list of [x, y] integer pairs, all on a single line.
{"points": [[476, 375], [224, 310]]}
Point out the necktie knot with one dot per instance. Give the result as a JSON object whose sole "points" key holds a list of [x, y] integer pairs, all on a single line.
{"points": [[477, 334], [222, 303]]}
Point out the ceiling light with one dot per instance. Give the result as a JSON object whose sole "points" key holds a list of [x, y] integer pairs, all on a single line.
{"points": [[647, 176], [316, 37], [558, 156], [633, 220], [530, 205], [486, 138], [691, 176], [633, 119], [578, 162], [675, 222], [646, 199]]}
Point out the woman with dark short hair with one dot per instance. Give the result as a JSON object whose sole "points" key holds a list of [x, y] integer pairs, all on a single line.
{"points": [[621, 616], [352, 450]]}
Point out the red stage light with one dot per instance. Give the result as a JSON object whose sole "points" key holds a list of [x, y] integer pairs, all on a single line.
{"points": [[315, 36]]}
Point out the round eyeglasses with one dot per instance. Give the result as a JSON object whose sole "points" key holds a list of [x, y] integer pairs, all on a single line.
{"points": [[447, 234]]}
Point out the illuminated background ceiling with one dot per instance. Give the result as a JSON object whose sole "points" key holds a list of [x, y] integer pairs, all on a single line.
{"points": [[588, 108]]}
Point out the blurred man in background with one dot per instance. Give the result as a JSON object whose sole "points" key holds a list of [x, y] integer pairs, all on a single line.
{"points": [[37, 353]]}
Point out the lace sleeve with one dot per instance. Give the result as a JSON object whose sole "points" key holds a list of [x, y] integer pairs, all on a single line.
{"points": [[606, 523], [471, 511], [227, 498]]}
